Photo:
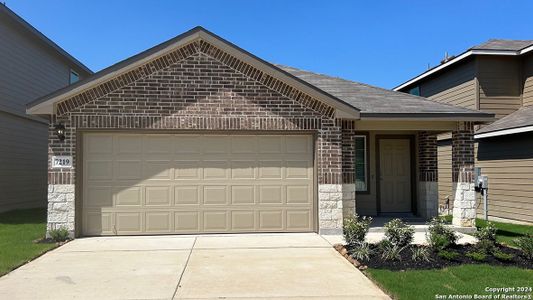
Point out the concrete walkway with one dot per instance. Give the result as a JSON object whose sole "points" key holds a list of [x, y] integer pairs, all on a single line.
{"points": [[245, 266]]}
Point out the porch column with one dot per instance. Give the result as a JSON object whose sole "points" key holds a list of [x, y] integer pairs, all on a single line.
{"points": [[464, 205], [428, 196]]}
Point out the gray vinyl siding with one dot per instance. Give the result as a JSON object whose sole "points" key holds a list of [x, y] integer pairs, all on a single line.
{"points": [[456, 86], [23, 161], [29, 69], [500, 86], [508, 162], [527, 96]]}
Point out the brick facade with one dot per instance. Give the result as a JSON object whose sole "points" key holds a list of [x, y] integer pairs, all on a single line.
{"points": [[199, 87], [427, 156], [463, 152]]}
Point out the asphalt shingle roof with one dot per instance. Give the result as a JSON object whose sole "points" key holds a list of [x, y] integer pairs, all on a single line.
{"points": [[374, 100], [497, 44], [520, 118]]}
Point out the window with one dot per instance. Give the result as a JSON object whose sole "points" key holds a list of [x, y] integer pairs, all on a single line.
{"points": [[361, 170], [73, 77], [415, 91]]}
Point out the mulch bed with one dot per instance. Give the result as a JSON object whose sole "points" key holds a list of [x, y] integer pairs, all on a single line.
{"points": [[436, 262]]}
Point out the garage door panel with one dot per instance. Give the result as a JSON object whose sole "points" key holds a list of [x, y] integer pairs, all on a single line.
{"points": [[127, 196], [158, 221], [270, 194], [99, 170], [215, 169], [271, 220], [129, 222], [243, 220], [187, 221], [298, 219], [215, 221], [174, 183], [215, 195], [188, 169], [158, 196], [242, 195], [157, 170]]}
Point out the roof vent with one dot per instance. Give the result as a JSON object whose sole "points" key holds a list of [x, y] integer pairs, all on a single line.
{"points": [[447, 58]]}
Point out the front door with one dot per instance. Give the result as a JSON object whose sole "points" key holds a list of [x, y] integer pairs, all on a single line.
{"points": [[395, 175]]}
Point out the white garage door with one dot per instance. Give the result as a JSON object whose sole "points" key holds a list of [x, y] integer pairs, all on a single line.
{"points": [[177, 183]]}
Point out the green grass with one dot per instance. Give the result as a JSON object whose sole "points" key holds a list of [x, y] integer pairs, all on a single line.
{"points": [[18, 230], [465, 279], [507, 232]]}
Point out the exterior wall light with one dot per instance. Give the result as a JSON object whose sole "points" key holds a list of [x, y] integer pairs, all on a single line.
{"points": [[60, 131]]}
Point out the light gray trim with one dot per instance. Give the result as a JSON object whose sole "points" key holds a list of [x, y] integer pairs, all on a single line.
{"points": [[502, 132], [42, 37], [481, 117]]}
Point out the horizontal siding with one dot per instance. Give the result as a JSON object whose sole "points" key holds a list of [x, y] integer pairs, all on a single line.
{"points": [[499, 84], [457, 86], [28, 68], [508, 163], [23, 157], [444, 162], [527, 97]]}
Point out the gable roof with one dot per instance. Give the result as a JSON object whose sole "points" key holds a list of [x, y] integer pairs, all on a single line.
{"points": [[46, 104], [490, 47], [498, 44], [41, 37], [376, 102], [517, 122]]}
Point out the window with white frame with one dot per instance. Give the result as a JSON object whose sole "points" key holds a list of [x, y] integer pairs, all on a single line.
{"points": [[361, 170]]}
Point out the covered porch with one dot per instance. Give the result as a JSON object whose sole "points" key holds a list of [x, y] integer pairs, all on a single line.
{"points": [[395, 173]]}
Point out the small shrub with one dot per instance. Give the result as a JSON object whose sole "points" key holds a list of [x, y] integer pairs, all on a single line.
{"points": [[355, 229], [362, 252], [502, 256], [392, 252], [439, 236], [448, 255], [525, 244], [420, 254], [477, 255], [384, 244], [485, 246], [59, 235], [487, 233], [399, 233]]}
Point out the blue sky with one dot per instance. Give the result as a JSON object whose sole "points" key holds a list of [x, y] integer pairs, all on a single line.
{"points": [[377, 42]]}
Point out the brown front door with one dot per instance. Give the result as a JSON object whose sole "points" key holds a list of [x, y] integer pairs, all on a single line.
{"points": [[395, 175]]}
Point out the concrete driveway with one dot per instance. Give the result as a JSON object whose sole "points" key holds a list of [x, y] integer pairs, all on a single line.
{"points": [[270, 266]]}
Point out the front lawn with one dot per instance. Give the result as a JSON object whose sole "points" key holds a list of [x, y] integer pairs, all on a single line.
{"points": [[465, 279], [18, 231], [507, 232]]}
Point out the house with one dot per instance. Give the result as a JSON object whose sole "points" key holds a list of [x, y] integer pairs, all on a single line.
{"points": [[31, 65], [197, 135], [495, 77]]}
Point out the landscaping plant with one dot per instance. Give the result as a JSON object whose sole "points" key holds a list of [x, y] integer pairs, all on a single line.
{"points": [[355, 229], [362, 251], [439, 236], [59, 235], [420, 253], [392, 252], [487, 233], [477, 255], [399, 233], [448, 255], [525, 244], [502, 256]]}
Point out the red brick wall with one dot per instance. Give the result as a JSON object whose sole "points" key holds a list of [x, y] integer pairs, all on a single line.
{"points": [[427, 156], [463, 152], [199, 92]]}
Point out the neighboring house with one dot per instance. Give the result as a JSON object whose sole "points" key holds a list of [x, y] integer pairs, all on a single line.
{"points": [[197, 135], [30, 66], [496, 77]]}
